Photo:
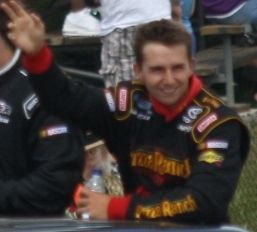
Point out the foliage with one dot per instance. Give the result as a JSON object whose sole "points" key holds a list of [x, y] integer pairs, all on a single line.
{"points": [[243, 208]]}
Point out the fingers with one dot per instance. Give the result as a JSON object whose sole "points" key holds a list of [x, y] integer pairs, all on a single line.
{"points": [[9, 11], [82, 203], [17, 8], [81, 211], [37, 20]]}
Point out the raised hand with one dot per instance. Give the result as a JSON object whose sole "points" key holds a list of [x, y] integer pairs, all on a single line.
{"points": [[26, 30]]}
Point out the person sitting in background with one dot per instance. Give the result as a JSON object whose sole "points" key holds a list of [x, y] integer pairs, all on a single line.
{"points": [[182, 10], [119, 19], [231, 12], [180, 149], [40, 155], [81, 21]]}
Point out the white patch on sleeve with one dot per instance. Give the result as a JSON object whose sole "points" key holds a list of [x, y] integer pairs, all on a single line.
{"points": [[110, 101], [57, 130], [52, 131], [30, 105], [217, 144]]}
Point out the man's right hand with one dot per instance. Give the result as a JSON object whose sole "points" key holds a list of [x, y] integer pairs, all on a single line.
{"points": [[26, 30]]}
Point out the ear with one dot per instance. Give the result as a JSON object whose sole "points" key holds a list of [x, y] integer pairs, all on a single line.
{"points": [[138, 71]]}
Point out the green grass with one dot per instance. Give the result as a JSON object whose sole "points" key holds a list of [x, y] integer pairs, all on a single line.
{"points": [[243, 210]]}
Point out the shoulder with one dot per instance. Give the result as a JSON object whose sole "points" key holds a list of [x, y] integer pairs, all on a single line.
{"points": [[29, 100], [128, 98], [214, 114]]}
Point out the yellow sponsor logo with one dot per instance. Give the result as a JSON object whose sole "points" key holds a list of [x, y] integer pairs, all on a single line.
{"points": [[158, 162], [166, 208], [211, 157]]}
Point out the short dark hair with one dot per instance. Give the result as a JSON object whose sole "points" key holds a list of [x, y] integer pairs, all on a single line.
{"points": [[3, 24], [164, 31]]}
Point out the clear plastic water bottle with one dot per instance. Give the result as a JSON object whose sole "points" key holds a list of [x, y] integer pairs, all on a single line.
{"points": [[95, 184]]}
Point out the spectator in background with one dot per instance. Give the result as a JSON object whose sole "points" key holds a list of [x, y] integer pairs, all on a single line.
{"points": [[182, 10], [235, 12], [81, 21], [180, 148], [119, 19], [40, 155], [176, 10], [231, 12]]}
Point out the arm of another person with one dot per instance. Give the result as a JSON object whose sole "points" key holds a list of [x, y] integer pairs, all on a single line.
{"points": [[203, 198], [84, 105], [56, 156]]}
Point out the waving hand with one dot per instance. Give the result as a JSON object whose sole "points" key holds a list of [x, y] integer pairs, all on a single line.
{"points": [[26, 30]]}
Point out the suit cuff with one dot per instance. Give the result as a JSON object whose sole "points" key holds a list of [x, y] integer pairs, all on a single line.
{"points": [[118, 207], [38, 63]]}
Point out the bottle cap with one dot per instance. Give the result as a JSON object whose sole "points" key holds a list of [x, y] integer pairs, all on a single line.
{"points": [[97, 171]]}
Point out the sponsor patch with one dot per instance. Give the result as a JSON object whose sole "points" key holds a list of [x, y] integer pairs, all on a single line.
{"points": [[142, 106], [211, 157], [207, 122], [166, 208], [184, 128], [30, 105], [52, 131], [160, 163], [191, 114], [5, 109], [110, 101], [4, 120], [214, 144], [123, 98]]}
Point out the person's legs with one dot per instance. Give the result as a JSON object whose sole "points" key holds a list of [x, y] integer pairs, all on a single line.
{"points": [[247, 14], [117, 56], [187, 11], [127, 56]]}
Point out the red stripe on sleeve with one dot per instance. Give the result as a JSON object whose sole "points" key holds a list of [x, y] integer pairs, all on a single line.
{"points": [[38, 63], [118, 207]]}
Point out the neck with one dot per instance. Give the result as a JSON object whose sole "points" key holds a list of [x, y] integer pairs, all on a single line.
{"points": [[6, 56], [8, 59]]}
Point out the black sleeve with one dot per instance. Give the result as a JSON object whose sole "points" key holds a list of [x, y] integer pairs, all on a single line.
{"points": [[56, 153], [205, 195], [84, 105]]}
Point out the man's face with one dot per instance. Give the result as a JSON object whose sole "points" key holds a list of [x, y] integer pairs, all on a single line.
{"points": [[165, 71]]}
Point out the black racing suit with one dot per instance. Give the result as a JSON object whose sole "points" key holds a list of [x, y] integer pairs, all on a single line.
{"points": [[184, 170], [41, 157]]}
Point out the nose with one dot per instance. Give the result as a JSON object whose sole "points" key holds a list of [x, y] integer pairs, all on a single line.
{"points": [[169, 78]]}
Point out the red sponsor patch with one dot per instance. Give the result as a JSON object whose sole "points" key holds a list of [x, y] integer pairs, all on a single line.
{"points": [[123, 97], [207, 122]]}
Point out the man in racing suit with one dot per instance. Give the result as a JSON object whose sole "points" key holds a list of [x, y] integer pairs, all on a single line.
{"points": [[40, 155], [180, 149]]}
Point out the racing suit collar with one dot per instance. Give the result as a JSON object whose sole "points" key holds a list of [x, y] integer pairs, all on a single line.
{"points": [[12, 63], [171, 112]]}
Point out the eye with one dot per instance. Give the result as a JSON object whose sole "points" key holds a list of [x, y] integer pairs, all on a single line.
{"points": [[157, 69], [179, 67]]}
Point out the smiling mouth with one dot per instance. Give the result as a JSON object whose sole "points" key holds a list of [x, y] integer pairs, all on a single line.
{"points": [[169, 91]]}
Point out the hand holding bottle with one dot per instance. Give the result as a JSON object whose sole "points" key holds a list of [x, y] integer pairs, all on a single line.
{"points": [[93, 202]]}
